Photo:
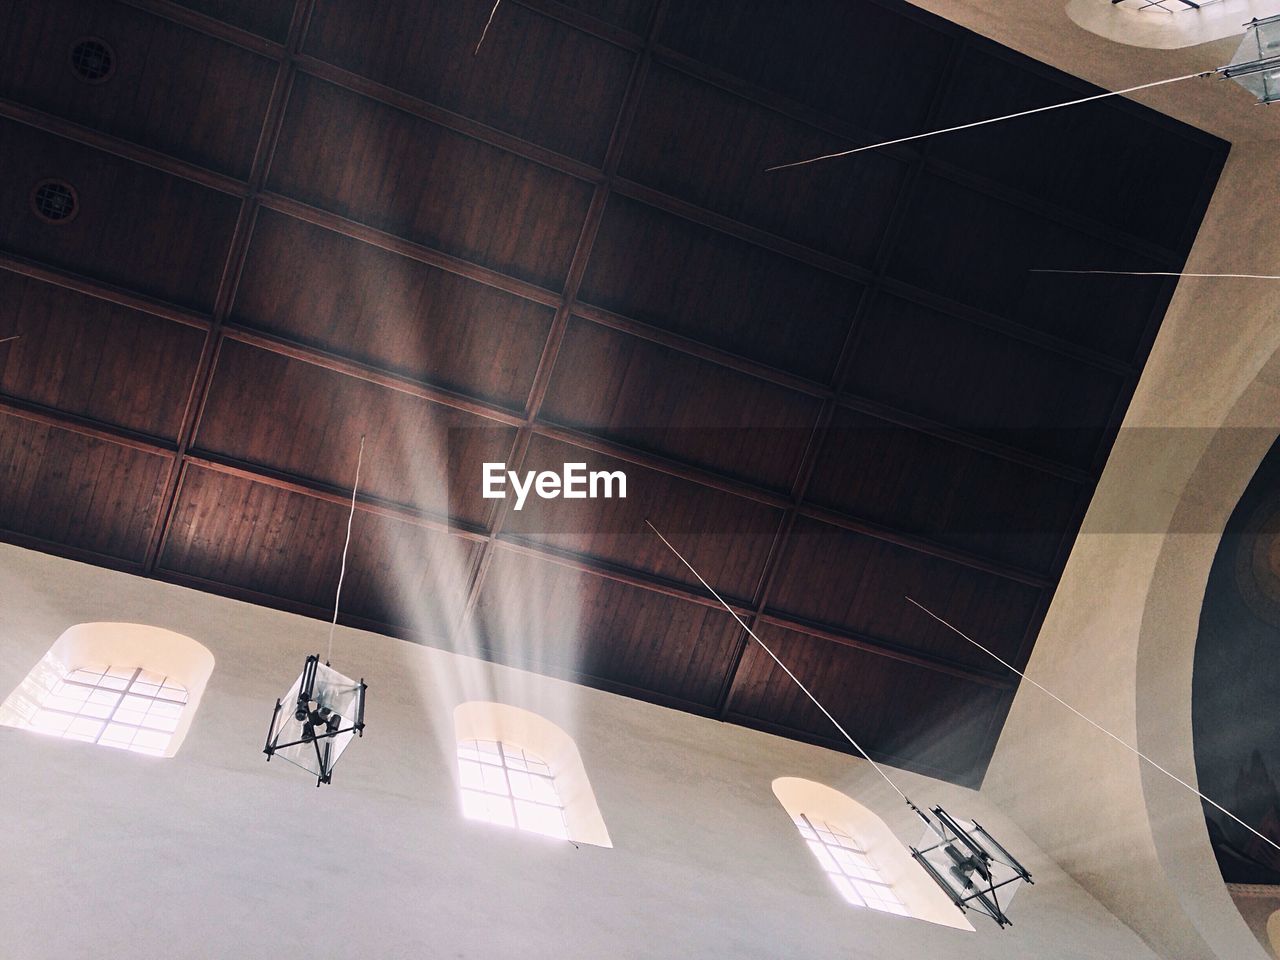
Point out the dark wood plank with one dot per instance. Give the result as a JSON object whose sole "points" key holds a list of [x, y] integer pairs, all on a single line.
{"points": [[709, 147], [951, 494], [859, 60], [172, 89], [136, 227], [407, 176], [663, 270], [327, 290], [95, 359], [1147, 187], [77, 491], [848, 581], [632, 15], [979, 380], [981, 251], [903, 714], [304, 420], [564, 622], [726, 538], [636, 392], [533, 77], [397, 573], [267, 18]]}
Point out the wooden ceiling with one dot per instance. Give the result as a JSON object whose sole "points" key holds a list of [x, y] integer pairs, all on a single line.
{"points": [[832, 386]]}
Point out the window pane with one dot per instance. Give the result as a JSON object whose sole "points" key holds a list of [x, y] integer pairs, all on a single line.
{"points": [[469, 774], [91, 704], [534, 817], [495, 779], [487, 807], [852, 872], [497, 787]]}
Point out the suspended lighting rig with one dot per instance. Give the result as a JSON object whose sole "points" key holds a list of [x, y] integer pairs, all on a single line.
{"points": [[1256, 63], [313, 736], [325, 709], [970, 865]]}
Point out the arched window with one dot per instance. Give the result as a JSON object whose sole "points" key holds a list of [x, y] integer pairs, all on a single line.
{"points": [[520, 770], [123, 685], [861, 856]]}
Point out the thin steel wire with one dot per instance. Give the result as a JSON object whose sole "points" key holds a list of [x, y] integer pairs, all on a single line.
{"points": [[488, 23], [980, 123], [805, 690], [337, 597], [1132, 749], [1166, 273]]}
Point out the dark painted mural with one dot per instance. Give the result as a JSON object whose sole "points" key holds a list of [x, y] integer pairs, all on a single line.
{"points": [[1236, 685]]}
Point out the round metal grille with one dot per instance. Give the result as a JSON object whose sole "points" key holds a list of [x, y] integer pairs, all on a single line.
{"points": [[54, 201], [92, 60]]}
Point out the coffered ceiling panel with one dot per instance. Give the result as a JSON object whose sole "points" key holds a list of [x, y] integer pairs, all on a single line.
{"points": [[631, 390], [699, 283], [711, 148], [154, 64], [314, 286], [86, 493], [261, 410], [428, 184], [533, 76], [95, 359], [267, 18], [137, 227]]}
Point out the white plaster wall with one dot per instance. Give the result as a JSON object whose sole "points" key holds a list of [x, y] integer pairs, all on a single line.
{"points": [[216, 853]]}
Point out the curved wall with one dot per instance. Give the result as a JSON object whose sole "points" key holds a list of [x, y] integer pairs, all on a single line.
{"points": [[1119, 639]]}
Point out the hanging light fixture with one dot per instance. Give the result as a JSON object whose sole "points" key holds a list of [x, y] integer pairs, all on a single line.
{"points": [[970, 865], [324, 710], [1256, 63]]}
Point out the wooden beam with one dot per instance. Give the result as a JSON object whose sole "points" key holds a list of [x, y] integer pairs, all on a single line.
{"points": [[573, 17], [370, 374], [374, 506], [573, 280], [884, 648], [441, 117], [407, 248], [119, 147], [264, 150], [100, 290], [86, 427], [211, 26], [694, 348]]}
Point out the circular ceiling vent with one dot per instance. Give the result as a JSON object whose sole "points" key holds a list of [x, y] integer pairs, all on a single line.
{"points": [[92, 60], [55, 201]]}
